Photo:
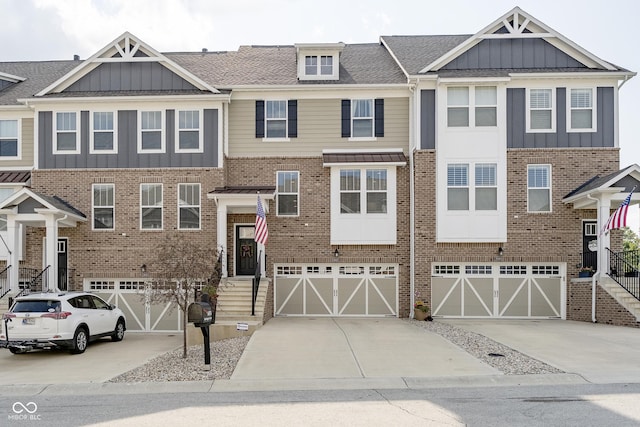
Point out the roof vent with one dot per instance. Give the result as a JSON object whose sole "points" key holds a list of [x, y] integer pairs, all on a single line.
{"points": [[205, 50], [76, 57]]}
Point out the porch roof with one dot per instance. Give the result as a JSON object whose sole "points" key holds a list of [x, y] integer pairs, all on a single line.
{"points": [[330, 158], [27, 202], [617, 185], [264, 190]]}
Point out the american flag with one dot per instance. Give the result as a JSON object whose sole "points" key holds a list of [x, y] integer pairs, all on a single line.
{"points": [[619, 218], [261, 225]]}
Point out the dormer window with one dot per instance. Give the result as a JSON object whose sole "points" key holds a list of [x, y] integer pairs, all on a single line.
{"points": [[319, 65], [319, 61]]}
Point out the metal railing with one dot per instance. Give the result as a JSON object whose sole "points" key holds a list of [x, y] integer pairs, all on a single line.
{"points": [[4, 281], [32, 280], [624, 269]]}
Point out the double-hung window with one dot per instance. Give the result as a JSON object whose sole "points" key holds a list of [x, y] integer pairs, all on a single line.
{"points": [[541, 105], [151, 139], [539, 188], [103, 207], [581, 110], [362, 118], [151, 206], [350, 191], [458, 187], [486, 190], [376, 191], [458, 106], [486, 110], [8, 139], [288, 193], [103, 138], [188, 206], [373, 195], [189, 132], [66, 133], [472, 106], [276, 119]]}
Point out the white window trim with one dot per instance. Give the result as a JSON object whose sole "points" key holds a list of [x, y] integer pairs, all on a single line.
{"points": [[200, 148], [481, 186], [594, 113], [161, 207], [296, 193], [373, 120], [55, 133], [363, 191], [18, 155], [553, 111], [199, 206], [470, 189], [93, 207], [550, 188], [163, 142], [92, 149], [286, 124], [471, 106], [303, 66]]}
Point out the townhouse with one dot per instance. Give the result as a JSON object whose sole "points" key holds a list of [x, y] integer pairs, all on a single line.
{"points": [[468, 171]]}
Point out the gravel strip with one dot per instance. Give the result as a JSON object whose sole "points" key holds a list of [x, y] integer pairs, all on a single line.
{"points": [[503, 358], [226, 353], [172, 367]]}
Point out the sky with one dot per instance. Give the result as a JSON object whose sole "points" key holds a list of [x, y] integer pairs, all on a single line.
{"points": [[58, 29]]}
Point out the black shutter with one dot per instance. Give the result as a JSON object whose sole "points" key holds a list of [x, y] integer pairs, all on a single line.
{"points": [[379, 112], [259, 119], [346, 118], [292, 131]]}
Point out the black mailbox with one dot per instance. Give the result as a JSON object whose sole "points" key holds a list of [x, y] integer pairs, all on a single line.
{"points": [[200, 314]]}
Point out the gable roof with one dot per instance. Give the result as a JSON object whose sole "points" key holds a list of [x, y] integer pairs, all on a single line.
{"points": [[620, 183], [36, 75], [277, 65], [421, 55], [124, 49]]}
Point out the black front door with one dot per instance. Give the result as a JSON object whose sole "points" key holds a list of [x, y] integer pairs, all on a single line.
{"points": [[590, 244], [246, 256], [62, 264]]}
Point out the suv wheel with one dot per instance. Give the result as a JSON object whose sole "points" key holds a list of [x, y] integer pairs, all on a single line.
{"points": [[118, 333], [80, 341], [16, 350]]}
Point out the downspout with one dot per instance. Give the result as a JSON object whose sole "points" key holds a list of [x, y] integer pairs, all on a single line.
{"points": [[55, 243], [414, 90], [596, 275]]}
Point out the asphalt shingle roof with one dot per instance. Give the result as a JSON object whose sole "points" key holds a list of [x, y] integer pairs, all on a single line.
{"points": [[37, 75], [416, 52]]}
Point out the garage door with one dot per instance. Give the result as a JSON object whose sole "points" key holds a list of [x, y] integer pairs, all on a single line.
{"points": [[336, 290], [142, 316], [499, 290]]}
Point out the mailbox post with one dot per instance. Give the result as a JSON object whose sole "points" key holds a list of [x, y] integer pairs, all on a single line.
{"points": [[201, 315]]}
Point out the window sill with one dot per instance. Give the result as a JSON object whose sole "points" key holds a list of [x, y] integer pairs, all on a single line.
{"points": [[276, 139], [585, 130], [363, 139]]}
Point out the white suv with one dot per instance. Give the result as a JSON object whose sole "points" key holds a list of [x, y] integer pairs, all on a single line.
{"points": [[59, 320]]}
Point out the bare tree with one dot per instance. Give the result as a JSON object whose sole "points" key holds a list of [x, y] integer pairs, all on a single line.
{"points": [[181, 268]]}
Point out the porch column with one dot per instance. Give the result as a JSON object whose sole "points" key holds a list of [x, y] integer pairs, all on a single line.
{"points": [[604, 240], [13, 237], [222, 235], [51, 253]]}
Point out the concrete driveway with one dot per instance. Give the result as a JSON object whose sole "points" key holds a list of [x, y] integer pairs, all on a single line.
{"points": [[101, 361], [597, 352]]}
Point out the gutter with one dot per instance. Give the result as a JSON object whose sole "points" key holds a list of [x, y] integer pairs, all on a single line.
{"points": [[412, 264]]}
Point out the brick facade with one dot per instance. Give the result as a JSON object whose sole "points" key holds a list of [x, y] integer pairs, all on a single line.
{"points": [[608, 310]]}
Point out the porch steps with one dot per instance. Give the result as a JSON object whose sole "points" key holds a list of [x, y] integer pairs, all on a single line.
{"points": [[234, 306], [623, 297]]}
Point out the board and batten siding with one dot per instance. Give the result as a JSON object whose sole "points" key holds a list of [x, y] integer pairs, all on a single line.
{"points": [[125, 76], [517, 136], [319, 128], [127, 155], [513, 54]]}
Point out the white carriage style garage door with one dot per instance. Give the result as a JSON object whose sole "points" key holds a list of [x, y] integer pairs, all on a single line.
{"points": [[524, 290], [336, 290], [141, 314]]}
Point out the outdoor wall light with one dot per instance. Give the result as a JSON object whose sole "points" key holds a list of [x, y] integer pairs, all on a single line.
{"points": [[500, 251], [143, 268], [336, 253]]}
